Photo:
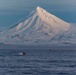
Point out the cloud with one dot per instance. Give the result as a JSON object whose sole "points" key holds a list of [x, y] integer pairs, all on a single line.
{"points": [[57, 5]]}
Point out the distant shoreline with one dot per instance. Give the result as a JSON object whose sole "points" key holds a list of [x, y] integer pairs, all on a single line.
{"points": [[15, 46]]}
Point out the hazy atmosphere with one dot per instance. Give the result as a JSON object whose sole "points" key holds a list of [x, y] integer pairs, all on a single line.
{"points": [[11, 11], [37, 37]]}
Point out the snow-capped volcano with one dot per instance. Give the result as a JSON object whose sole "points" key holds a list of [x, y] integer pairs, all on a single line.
{"points": [[43, 21], [40, 27]]}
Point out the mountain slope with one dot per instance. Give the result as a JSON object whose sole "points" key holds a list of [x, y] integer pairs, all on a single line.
{"points": [[40, 27]]}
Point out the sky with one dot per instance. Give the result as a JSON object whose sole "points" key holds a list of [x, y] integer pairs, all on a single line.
{"points": [[67, 5], [12, 10]]}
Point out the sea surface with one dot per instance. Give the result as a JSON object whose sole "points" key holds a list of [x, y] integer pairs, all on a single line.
{"points": [[38, 61]]}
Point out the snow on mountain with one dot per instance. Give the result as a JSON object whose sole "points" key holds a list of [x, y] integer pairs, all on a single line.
{"points": [[40, 27]]}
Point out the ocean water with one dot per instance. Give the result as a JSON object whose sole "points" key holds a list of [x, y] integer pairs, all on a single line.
{"points": [[40, 61]]}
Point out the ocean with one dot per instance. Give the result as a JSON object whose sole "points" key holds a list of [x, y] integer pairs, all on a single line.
{"points": [[38, 61]]}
